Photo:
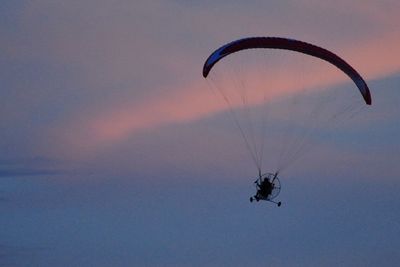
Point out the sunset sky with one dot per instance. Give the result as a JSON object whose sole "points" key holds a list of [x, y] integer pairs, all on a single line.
{"points": [[115, 152]]}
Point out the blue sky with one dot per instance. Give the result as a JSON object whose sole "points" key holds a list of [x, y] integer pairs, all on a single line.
{"points": [[115, 153]]}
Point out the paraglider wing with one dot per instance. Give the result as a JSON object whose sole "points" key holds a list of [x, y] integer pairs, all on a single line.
{"points": [[293, 45]]}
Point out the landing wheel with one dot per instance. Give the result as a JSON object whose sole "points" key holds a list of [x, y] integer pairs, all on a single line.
{"points": [[251, 199], [279, 204]]}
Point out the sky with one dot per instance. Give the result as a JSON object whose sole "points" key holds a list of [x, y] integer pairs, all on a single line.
{"points": [[115, 152]]}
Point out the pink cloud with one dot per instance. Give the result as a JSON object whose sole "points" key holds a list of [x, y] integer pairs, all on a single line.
{"points": [[196, 101], [121, 43]]}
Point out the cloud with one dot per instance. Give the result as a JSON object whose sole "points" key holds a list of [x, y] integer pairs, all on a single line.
{"points": [[130, 67], [195, 101], [28, 172], [38, 166]]}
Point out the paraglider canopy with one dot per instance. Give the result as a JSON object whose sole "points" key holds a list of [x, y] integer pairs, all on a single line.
{"points": [[293, 45]]}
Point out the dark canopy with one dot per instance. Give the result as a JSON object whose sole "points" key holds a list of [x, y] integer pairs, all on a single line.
{"points": [[293, 45]]}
